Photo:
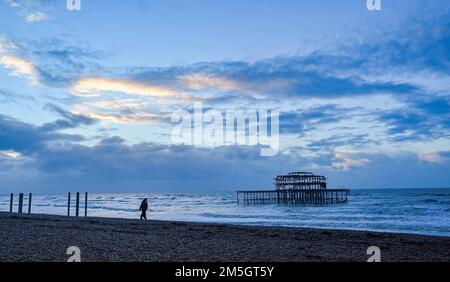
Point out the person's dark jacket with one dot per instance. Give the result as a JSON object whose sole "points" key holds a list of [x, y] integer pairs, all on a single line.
{"points": [[144, 206]]}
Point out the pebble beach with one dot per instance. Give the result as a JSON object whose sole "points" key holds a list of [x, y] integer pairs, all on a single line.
{"points": [[45, 238]]}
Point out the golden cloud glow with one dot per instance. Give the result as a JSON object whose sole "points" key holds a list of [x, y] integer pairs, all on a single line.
{"points": [[433, 157], [126, 111], [118, 118], [119, 104], [11, 154], [36, 17], [6, 45], [94, 86], [198, 81], [19, 66], [346, 162]]}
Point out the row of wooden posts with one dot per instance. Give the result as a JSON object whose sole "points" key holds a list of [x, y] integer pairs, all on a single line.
{"points": [[30, 195], [20, 210]]}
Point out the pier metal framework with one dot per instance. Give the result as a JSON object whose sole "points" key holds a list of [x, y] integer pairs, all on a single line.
{"points": [[300, 180], [299, 188]]}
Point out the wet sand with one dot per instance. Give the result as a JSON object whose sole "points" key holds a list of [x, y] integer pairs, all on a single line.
{"points": [[43, 238]]}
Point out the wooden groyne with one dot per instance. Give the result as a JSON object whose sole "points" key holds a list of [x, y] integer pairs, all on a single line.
{"points": [[77, 204], [20, 205], [296, 197]]}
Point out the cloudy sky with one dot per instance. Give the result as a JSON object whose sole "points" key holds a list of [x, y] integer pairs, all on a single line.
{"points": [[86, 97]]}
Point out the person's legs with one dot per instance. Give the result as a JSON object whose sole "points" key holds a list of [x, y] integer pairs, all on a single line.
{"points": [[144, 214]]}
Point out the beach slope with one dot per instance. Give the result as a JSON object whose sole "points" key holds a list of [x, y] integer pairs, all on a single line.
{"points": [[37, 238]]}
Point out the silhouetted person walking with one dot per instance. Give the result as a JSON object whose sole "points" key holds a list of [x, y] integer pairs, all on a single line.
{"points": [[143, 209]]}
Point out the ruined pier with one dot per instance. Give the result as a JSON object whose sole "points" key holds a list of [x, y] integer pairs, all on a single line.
{"points": [[298, 188]]}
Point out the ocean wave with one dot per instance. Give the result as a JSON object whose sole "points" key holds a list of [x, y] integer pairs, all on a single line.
{"points": [[430, 201], [113, 208], [441, 194], [240, 216]]}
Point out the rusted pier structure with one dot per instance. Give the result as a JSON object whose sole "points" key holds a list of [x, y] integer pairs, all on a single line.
{"points": [[298, 197], [298, 188]]}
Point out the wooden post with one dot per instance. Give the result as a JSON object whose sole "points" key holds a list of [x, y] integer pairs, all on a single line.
{"points": [[29, 203], [68, 204], [11, 203], [85, 203], [77, 205], [20, 202]]}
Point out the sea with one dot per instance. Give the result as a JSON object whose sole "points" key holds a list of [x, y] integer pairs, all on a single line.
{"points": [[416, 211]]}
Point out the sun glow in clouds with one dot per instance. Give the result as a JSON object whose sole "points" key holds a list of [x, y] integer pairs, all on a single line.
{"points": [[5, 45], [346, 162], [11, 154], [36, 17], [20, 67], [198, 81], [433, 157], [94, 86], [126, 119]]}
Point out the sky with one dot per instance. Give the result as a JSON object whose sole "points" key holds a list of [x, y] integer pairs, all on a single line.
{"points": [[87, 96]]}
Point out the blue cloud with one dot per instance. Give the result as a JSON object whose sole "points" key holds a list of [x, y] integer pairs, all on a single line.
{"points": [[330, 144], [303, 121], [59, 163], [69, 120], [421, 120], [8, 96], [29, 139], [439, 106]]}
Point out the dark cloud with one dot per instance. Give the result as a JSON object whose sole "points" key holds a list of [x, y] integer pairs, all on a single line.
{"points": [[149, 166], [59, 163], [8, 96], [61, 64], [354, 140], [114, 166], [439, 106], [420, 43], [28, 139], [303, 120], [277, 78], [69, 120], [422, 120]]}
